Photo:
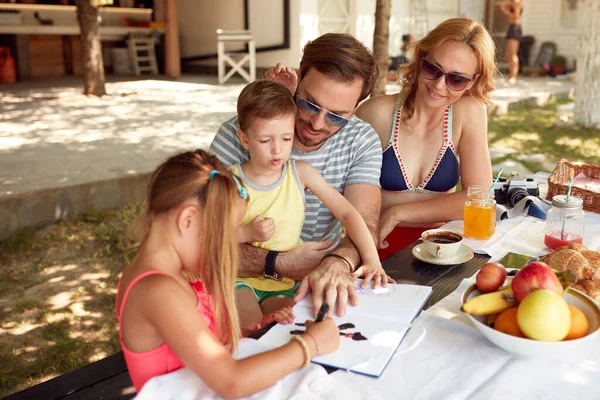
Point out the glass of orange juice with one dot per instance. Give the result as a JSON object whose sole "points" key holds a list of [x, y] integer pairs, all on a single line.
{"points": [[479, 213]]}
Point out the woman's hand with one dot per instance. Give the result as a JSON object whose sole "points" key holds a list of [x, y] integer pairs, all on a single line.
{"points": [[372, 270], [284, 75], [283, 316], [388, 222], [322, 337]]}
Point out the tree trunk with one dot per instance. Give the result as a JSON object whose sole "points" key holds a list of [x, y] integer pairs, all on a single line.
{"points": [[91, 49], [587, 95], [380, 44]]}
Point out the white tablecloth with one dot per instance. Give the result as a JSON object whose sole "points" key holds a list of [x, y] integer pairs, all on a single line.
{"points": [[442, 357], [524, 235]]}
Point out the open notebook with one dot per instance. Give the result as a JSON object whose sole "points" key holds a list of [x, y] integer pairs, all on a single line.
{"points": [[372, 331]]}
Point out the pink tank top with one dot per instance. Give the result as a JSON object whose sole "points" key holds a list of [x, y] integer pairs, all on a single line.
{"points": [[161, 360]]}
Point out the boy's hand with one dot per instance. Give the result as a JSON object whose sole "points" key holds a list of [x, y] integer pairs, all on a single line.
{"points": [[284, 75], [260, 229], [283, 316], [372, 270]]}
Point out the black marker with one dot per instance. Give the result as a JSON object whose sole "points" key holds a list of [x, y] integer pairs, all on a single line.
{"points": [[322, 312]]}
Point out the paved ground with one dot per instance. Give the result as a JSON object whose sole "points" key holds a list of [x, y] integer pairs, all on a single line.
{"points": [[52, 137]]}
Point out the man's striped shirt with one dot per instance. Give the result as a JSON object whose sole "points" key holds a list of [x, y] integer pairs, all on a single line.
{"points": [[350, 156]]}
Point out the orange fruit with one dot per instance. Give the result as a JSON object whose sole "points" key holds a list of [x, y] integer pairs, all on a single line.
{"points": [[506, 322], [579, 324]]}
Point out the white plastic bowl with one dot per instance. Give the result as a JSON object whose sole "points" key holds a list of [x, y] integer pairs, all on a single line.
{"points": [[534, 348]]}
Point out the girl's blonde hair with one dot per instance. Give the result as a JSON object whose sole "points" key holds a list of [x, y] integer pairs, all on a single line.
{"points": [[462, 30], [185, 176]]}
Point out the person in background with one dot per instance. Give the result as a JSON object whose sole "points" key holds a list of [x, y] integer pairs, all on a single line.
{"points": [[336, 73], [194, 207], [434, 132], [276, 187], [513, 9]]}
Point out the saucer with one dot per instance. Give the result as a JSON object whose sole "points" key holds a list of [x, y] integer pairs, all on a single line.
{"points": [[463, 254]]}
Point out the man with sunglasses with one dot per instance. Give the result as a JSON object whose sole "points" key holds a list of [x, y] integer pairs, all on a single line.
{"points": [[336, 73]]}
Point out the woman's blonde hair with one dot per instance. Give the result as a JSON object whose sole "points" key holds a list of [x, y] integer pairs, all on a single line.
{"points": [[188, 175], [462, 30]]}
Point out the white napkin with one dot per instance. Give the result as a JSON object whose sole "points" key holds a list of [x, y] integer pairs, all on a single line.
{"points": [[184, 384], [524, 235]]}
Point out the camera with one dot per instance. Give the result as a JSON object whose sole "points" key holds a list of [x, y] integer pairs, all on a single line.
{"points": [[510, 193]]}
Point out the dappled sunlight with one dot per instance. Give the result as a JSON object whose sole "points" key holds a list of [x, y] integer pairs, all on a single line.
{"points": [[20, 328], [586, 146], [147, 120], [60, 300], [58, 268]]}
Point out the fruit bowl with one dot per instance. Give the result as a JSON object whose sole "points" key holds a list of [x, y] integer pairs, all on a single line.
{"points": [[534, 348]]}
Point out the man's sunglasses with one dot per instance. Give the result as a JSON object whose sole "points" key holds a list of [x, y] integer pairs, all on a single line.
{"points": [[309, 108], [454, 81]]}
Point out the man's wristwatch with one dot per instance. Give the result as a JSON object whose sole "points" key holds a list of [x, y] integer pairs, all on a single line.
{"points": [[270, 272]]}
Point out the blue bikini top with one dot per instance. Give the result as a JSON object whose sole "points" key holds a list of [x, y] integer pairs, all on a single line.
{"points": [[443, 176]]}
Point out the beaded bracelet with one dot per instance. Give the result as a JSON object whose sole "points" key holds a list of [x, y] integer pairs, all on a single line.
{"points": [[350, 267], [314, 340], [302, 342]]}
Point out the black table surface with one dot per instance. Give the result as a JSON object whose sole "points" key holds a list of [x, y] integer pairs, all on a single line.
{"points": [[403, 267], [108, 378]]}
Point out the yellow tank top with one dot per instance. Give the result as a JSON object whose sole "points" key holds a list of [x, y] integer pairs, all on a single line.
{"points": [[283, 201]]}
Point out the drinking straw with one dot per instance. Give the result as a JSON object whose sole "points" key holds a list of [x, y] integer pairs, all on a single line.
{"points": [[569, 190], [495, 181], [564, 219]]}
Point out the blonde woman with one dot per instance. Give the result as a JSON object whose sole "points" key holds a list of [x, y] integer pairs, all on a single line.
{"points": [[434, 132]]}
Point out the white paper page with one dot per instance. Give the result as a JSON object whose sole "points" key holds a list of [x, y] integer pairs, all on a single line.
{"points": [[399, 302], [383, 316], [364, 356]]}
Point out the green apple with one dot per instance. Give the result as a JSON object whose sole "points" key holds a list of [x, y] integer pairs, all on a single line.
{"points": [[544, 315]]}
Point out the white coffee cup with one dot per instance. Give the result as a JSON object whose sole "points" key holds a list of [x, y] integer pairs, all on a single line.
{"points": [[441, 243]]}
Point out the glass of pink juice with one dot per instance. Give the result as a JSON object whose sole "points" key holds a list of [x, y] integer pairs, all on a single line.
{"points": [[555, 239]]}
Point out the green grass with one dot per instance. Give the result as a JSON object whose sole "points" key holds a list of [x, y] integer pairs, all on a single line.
{"points": [[57, 291], [533, 130]]}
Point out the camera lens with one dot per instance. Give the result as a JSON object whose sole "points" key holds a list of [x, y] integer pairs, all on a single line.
{"points": [[515, 195]]}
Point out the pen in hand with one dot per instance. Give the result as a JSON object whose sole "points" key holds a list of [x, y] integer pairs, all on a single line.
{"points": [[322, 312]]}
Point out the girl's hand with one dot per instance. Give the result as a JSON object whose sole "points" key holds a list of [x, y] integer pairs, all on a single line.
{"points": [[260, 229], [284, 75], [283, 316], [372, 270], [324, 336]]}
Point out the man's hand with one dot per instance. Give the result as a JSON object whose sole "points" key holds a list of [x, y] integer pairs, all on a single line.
{"points": [[300, 261], [260, 229], [372, 271], [331, 281], [284, 75]]}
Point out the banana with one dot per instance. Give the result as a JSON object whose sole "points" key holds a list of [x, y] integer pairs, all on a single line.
{"points": [[491, 320], [500, 300], [490, 303]]}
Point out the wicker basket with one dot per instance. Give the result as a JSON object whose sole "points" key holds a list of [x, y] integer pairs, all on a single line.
{"points": [[558, 182]]}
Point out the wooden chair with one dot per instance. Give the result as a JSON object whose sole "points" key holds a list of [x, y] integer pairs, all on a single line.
{"points": [[238, 59]]}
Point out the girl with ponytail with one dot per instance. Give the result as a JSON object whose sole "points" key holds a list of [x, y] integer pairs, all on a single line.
{"points": [[194, 207]]}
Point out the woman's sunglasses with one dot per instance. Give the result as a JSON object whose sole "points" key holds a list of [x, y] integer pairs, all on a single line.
{"points": [[454, 81], [312, 109]]}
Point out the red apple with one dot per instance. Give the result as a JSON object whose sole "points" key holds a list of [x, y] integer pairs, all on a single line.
{"points": [[534, 276], [491, 277]]}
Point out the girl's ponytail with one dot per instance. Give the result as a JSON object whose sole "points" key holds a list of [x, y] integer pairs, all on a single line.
{"points": [[220, 252]]}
